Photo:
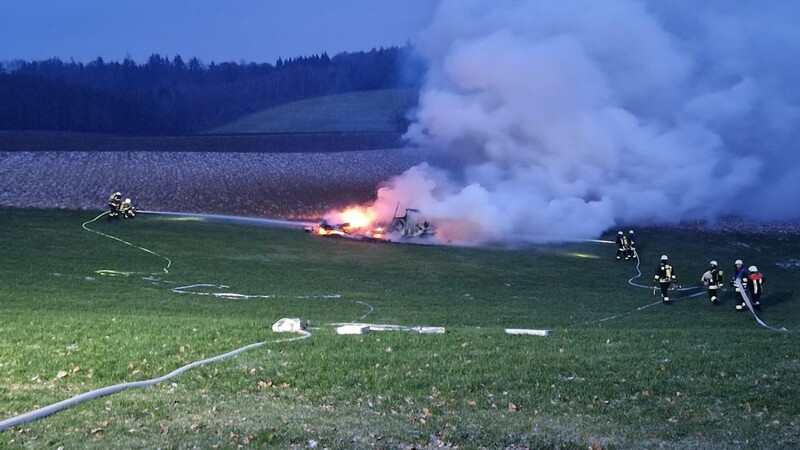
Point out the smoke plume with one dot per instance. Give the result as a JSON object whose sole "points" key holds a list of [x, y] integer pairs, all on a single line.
{"points": [[557, 120]]}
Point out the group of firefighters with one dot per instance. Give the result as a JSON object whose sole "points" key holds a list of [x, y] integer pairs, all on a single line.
{"points": [[749, 279], [626, 245], [117, 207]]}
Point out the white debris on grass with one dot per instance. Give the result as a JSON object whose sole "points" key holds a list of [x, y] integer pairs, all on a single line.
{"points": [[529, 332], [287, 325]]}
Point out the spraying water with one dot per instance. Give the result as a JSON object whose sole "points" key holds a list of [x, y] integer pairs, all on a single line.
{"points": [[548, 120], [252, 220]]}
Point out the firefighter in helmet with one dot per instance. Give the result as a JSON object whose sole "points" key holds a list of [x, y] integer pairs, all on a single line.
{"points": [[665, 275], [127, 209], [114, 203], [755, 281], [631, 251], [739, 273], [622, 246], [712, 278]]}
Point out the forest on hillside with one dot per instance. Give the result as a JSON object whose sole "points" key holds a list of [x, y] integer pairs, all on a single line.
{"points": [[171, 96]]}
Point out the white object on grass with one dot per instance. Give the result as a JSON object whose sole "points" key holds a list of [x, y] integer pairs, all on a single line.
{"points": [[389, 327], [529, 332], [352, 329], [287, 325]]}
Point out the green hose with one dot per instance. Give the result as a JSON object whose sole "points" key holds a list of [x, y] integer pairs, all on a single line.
{"points": [[115, 273]]}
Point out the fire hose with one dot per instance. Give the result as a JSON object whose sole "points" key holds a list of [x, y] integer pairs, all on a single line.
{"points": [[649, 305], [165, 269], [97, 393], [738, 283], [639, 274], [91, 395]]}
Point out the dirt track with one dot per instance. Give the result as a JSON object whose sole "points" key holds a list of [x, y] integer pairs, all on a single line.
{"points": [[288, 185]]}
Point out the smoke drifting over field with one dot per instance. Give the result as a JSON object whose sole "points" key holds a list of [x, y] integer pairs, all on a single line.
{"points": [[550, 120]]}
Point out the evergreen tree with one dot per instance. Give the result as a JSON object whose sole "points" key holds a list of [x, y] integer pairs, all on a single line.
{"points": [[166, 96]]}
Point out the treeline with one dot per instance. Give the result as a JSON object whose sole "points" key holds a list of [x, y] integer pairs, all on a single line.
{"points": [[170, 96]]}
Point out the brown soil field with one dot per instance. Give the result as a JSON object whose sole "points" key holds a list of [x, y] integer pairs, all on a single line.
{"points": [[303, 177], [52, 141]]}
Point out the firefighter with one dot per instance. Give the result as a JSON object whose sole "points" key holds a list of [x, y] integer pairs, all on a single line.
{"points": [[713, 279], [114, 203], [622, 245], [127, 210], [631, 252], [739, 273], [755, 280], [664, 276]]}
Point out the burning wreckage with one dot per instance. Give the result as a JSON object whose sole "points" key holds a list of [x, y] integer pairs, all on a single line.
{"points": [[410, 226]]}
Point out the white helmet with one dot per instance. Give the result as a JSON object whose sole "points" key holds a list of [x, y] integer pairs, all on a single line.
{"points": [[713, 263], [752, 269], [664, 258], [739, 262], [127, 200], [630, 232], [619, 233]]}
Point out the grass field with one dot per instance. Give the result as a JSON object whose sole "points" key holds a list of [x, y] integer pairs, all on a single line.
{"points": [[612, 375], [366, 111]]}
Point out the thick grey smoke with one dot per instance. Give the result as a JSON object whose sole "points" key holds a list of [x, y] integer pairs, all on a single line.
{"points": [[556, 120]]}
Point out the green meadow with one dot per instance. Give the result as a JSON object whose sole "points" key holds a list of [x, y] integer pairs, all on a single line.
{"points": [[80, 310], [364, 111]]}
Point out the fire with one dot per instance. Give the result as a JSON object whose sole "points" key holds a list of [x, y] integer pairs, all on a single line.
{"points": [[379, 233], [322, 231], [356, 217], [362, 222], [353, 221]]}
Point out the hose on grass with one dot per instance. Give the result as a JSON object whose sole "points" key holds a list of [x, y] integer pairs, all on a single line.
{"points": [[102, 392], [91, 395], [749, 304], [649, 305], [639, 274], [112, 273]]}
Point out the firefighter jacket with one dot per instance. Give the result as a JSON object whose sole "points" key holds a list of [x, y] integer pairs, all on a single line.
{"points": [[712, 278], [622, 242], [754, 282], [114, 202], [665, 273]]}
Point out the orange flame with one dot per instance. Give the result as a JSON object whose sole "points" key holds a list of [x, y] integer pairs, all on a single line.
{"points": [[356, 216], [355, 221]]}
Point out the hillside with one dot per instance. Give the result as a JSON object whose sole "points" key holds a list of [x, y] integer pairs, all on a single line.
{"points": [[365, 111], [168, 97], [362, 120]]}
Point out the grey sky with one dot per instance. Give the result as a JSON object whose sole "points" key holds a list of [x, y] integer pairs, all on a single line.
{"points": [[212, 30]]}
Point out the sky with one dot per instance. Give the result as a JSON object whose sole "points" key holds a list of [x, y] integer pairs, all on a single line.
{"points": [[212, 30]]}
